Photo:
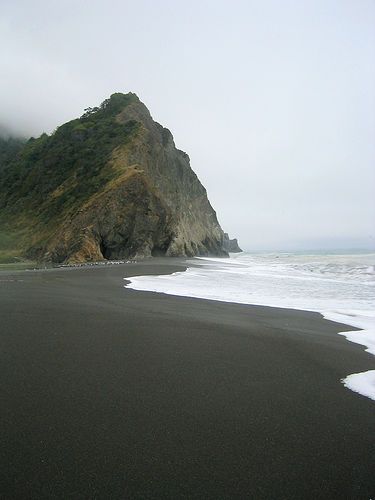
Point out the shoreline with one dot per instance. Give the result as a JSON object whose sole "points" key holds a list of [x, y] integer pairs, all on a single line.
{"points": [[109, 392], [362, 383]]}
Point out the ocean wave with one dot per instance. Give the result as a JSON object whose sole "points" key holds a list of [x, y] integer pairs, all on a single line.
{"points": [[333, 285]]}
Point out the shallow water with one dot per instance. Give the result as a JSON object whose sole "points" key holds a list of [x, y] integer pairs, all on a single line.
{"points": [[339, 286]]}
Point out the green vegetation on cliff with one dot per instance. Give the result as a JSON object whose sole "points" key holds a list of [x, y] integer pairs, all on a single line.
{"points": [[76, 152], [110, 184], [9, 148]]}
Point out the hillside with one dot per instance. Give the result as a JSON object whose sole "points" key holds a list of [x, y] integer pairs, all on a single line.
{"points": [[108, 185], [9, 148]]}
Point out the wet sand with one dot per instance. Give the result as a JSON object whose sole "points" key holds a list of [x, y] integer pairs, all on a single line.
{"points": [[113, 393]]}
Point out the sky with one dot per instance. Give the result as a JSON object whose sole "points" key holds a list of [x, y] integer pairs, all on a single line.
{"points": [[274, 101]]}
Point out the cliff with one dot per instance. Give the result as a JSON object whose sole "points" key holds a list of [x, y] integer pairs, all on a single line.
{"points": [[109, 185], [231, 245]]}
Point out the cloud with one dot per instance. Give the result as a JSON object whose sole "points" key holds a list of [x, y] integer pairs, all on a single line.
{"points": [[272, 101]]}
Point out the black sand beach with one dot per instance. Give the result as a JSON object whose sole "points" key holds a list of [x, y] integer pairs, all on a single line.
{"points": [[112, 393]]}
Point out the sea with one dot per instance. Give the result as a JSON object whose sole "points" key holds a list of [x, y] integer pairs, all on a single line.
{"points": [[340, 286]]}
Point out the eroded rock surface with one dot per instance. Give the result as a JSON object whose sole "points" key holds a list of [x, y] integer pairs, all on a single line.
{"points": [[139, 198]]}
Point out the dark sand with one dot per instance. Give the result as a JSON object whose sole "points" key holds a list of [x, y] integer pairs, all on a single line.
{"points": [[112, 393]]}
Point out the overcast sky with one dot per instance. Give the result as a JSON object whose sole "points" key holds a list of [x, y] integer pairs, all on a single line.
{"points": [[273, 100]]}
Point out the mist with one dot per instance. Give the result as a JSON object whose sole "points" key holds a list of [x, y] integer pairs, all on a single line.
{"points": [[273, 101]]}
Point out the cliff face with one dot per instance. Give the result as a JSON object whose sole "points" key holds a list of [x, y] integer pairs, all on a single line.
{"points": [[231, 245], [109, 185]]}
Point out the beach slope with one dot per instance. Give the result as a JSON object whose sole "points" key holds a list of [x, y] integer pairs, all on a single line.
{"points": [[112, 393]]}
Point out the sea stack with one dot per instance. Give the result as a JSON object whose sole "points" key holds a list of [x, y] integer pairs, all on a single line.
{"points": [[108, 185]]}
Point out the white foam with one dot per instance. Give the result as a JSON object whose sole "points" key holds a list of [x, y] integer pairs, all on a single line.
{"points": [[362, 383], [340, 287]]}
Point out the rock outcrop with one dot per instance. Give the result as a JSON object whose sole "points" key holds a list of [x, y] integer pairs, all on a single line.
{"points": [[231, 245], [112, 185]]}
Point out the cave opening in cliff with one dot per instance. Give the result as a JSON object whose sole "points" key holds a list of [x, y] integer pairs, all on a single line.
{"points": [[105, 251], [159, 251]]}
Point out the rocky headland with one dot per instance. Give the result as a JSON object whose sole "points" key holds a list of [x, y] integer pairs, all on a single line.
{"points": [[108, 185]]}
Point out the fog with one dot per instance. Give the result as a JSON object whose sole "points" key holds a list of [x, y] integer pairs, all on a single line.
{"points": [[273, 101]]}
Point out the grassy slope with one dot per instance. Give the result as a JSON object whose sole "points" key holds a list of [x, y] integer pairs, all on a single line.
{"points": [[51, 177]]}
